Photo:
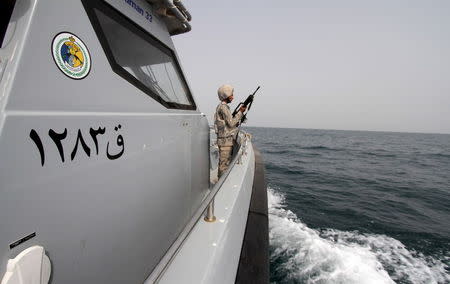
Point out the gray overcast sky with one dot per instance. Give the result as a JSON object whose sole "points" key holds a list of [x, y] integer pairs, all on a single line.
{"points": [[348, 64]]}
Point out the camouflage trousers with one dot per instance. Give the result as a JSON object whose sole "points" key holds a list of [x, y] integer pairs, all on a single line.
{"points": [[224, 158]]}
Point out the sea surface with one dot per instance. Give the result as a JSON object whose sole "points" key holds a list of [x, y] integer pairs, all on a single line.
{"points": [[357, 206]]}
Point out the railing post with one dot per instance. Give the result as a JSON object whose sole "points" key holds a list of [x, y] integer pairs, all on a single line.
{"points": [[210, 213]]}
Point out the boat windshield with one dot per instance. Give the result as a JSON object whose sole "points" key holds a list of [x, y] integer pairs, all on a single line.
{"points": [[6, 9], [139, 57]]}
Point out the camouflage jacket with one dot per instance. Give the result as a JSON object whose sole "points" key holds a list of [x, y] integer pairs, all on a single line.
{"points": [[225, 125]]}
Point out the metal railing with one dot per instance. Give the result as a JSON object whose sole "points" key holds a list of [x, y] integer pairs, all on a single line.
{"points": [[206, 206], [237, 159]]}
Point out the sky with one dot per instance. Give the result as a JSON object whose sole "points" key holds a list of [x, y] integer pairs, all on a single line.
{"points": [[381, 65]]}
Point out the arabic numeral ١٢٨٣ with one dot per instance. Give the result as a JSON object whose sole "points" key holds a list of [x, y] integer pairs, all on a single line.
{"points": [[58, 136]]}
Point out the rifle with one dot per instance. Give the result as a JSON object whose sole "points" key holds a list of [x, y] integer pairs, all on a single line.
{"points": [[247, 103]]}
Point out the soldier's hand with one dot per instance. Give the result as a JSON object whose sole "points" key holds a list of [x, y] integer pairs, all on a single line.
{"points": [[242, 109]]}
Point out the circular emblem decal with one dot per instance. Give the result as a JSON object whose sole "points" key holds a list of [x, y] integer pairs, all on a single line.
{"points": [[71, 55]]}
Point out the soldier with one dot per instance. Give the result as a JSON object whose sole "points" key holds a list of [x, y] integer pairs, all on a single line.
{"points": [[226, 126]]}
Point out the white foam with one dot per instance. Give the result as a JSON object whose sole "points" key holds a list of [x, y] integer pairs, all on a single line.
{"points": [[333, 256]]}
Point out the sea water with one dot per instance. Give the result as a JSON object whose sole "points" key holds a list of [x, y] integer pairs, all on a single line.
{"points": [[356, 206]]}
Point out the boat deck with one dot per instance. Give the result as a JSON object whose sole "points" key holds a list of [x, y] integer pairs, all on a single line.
{"points": [[210, 253]]}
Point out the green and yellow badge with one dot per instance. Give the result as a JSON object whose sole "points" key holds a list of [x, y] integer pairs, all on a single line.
{"points": [[71, 55]]}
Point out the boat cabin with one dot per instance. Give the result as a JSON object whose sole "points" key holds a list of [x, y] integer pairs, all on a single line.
{"points": [[104, 154]]}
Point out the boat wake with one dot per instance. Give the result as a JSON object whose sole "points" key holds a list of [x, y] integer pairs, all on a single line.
{"points": [[305, 255]]}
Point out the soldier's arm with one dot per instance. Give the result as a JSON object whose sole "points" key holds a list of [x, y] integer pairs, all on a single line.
{"points": [[229, 119]]}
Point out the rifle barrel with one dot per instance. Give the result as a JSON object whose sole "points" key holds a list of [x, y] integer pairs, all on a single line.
{"points": [[256, 90]]}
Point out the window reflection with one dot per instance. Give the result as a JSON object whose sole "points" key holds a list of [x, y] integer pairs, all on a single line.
{"points": [[145, 61]]}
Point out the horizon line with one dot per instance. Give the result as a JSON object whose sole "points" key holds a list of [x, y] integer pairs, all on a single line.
{"points": [[356, 130]]}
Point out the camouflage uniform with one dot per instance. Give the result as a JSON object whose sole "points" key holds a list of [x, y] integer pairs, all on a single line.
{"points": [[226, 129]]}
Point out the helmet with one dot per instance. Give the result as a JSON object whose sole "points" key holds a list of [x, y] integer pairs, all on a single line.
{"points": [[225, 91]]}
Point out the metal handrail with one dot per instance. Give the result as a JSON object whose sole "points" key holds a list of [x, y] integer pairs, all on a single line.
{"points": [[210, 217], [176, 245]]}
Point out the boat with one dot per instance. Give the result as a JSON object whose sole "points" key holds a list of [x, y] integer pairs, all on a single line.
{"points": [[108, 169]]}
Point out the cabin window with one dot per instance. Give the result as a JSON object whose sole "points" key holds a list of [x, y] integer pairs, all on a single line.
{"points": [[6, 9], [139, 57]]}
